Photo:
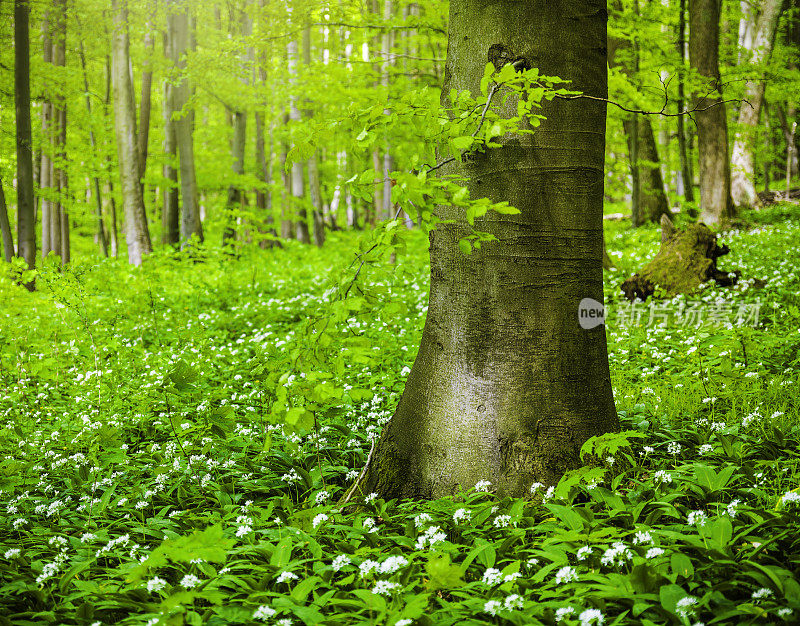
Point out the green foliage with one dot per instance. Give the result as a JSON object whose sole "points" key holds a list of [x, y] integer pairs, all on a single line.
{"points": [[176, 437]]}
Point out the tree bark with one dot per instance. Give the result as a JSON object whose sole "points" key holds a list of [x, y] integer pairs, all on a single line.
{"points": [[648, 198], [507, 386], [170, 214], [297, 183], [59, 226], [652, 199], [239, 124], [5, 227], [98, 196], [687, 175], [712, 125], [137, 235], [147, 84], [26, 219], [178, 26], [762, 39], [46, 174], [314, 190]]}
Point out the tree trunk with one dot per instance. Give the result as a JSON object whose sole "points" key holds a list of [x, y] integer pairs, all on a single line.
{"points": [[687, 176], [147, 84], [59, 225], [743, 188], [652, 201], [46, 169], [26, 219], [170, 214], [98, 196], [178, 27], [712, 125], [314, 191], [5, 227], [137, 235], [507, 386], [298, 186], [648, 198], [239, 123]]}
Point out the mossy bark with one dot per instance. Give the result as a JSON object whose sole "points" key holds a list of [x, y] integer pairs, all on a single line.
{"points": [[686, 259], [507, 386]]}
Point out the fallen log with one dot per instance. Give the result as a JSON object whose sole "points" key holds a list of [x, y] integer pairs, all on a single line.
{"points": [[687, 258]]}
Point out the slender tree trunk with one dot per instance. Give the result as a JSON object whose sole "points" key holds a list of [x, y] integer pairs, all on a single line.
{"points": [[762, 38], [314, 190], [507, 386], [687, 176], [46, 169], [26, 220], [5, 227], [98, 196], [147, 83], [137, 235], [648, 198], [287, 213], [652, 199], [59, 225], [109, 174], [239, 123], [712, 125], [170, 215], [298, 186], [178, 26]]}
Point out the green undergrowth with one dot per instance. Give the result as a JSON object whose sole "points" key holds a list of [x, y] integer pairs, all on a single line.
{"points": [[176, 438]]}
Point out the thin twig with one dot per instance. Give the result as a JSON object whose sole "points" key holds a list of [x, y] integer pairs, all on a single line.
{"points": [[661, 112], [360, 476]]}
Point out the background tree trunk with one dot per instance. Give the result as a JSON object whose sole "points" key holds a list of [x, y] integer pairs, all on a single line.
{"points": [[652, 201], [46, 168], [170, 214], [507, 386], [687, 175], [298, 186], [59, 225], [314, 191], [5, 227], [178, 28], [137, 235], [762, 38], [712, 125], [26, 218], [98, 196]]}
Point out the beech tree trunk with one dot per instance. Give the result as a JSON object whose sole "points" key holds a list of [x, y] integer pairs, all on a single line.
{"points": [[147, 84], [98, 196], [297, 183], [687, 175], [5, 227], [170, 213], [314, 191], [178, 27], [649, 200], [59, 225], [26, 218], [507, 386], [652, 201], [46, 168], [761, 38], [712, 125], [137, 235]]}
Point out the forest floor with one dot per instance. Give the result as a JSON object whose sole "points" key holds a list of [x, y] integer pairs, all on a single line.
{"points": [[175, 439]]}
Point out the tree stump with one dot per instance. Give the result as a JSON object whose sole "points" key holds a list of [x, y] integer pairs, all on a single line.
{"points": [[687, 259]]}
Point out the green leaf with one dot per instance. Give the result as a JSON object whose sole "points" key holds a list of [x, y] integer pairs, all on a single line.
{"points": [[681, 565], [464, 246], [442, 574]]}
